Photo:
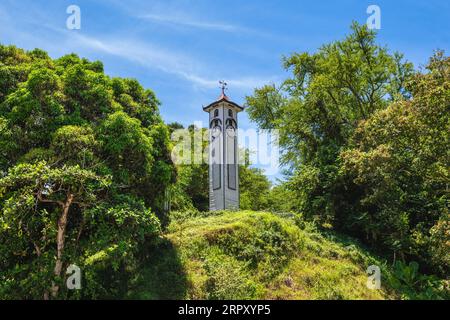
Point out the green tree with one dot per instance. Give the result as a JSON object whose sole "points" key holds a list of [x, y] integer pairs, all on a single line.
{"points": [[317, 110], [84, 165], [399, 164], [254, 187], [31, 189], [282, 199], [191, 190]]}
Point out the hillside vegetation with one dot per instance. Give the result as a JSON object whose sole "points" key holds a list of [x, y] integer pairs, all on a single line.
{"points": [[87, 179], [365, 139], [257, 255]]}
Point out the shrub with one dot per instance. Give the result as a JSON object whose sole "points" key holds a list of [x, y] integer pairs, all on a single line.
{"points": [[407, 279], [228, 278]]}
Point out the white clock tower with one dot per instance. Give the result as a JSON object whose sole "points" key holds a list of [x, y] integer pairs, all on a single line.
{"points": [[223, 153]]}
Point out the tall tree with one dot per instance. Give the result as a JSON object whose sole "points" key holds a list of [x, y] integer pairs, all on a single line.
{"points": [[84, 164], [399, 161], [317, 110], [254, 186]]}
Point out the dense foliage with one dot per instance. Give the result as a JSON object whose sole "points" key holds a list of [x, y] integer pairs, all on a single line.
{"points": [[259, 255], [398, 166], [84, 164], [254, 186], [191, 190], [365, 143]]}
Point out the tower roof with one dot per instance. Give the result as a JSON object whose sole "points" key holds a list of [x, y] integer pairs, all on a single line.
{"points": [[222, 98]]}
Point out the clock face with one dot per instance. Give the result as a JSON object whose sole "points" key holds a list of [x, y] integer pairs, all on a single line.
{"points": [[231, 132], [216, 131]]}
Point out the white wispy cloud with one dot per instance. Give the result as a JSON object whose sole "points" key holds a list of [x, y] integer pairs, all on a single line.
{"points": [[183, 20], [154, 57], [151, 56]]}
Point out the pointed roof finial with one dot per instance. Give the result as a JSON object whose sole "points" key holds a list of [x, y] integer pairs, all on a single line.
{"points": [[223, 96], [223, 86]]}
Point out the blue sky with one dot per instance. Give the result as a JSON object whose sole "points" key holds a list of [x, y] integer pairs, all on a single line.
{"points": [[180, 49]]}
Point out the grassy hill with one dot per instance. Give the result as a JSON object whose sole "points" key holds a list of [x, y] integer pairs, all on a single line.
{"points": [[255, 255]]}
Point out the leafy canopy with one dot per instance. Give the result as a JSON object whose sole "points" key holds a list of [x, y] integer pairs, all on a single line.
{"points": [[84, 164]]}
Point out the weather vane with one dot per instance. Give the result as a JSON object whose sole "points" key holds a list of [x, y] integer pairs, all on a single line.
{"points": [[223, 86]]}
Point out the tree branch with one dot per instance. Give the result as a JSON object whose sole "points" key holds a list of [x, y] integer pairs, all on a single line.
{"points": [[41, 199]]}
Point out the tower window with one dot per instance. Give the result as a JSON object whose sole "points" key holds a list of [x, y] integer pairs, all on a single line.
{"points": [[230, 124], [216, 113], [215, 123], [231, 176], [230, 113]]}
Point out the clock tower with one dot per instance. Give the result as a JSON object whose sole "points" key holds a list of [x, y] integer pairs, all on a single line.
{"points": [[223, 153]]}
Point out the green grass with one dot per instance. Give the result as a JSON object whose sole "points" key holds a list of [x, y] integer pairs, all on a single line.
{"points": [[254, 255]]}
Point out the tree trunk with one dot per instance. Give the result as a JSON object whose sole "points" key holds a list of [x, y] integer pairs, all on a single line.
{"points": [[62, 223]]}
